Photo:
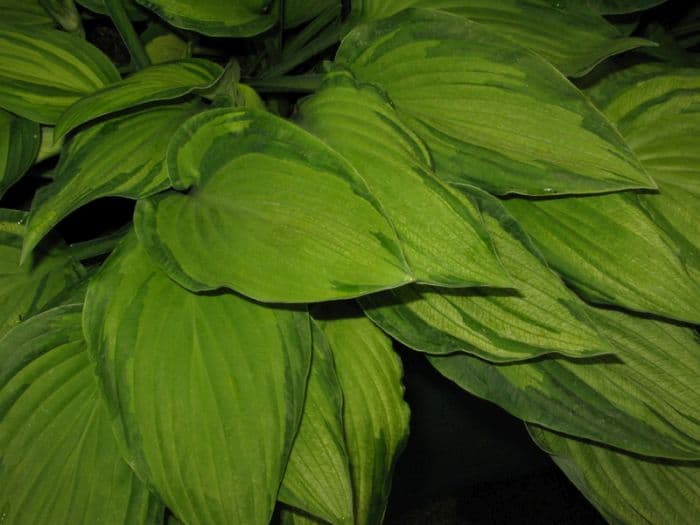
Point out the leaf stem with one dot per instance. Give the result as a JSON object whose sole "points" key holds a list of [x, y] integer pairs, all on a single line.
{"points": [[116, 11], [99, 246]]}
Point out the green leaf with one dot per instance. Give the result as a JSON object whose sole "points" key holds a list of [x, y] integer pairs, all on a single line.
{"points": [[166, 48], [237, 18], [644, 399], [26, 14], [60, 462], [155, 83], [317, 478], [134, 11], [612, 7], [42, 72], [542, 317], [19, 144], [123, 157], [272, 212], [207, 390], [28, 289], [492, 113], [374, 412], [452, 248], [623, 487], [296, 12], [610, 251]]}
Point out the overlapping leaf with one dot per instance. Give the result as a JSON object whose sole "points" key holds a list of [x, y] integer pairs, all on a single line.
{"points": [[124, 157], [60, 462], [42, 72], [239, 18], [317, 478], [207, 389], [19, 144], [623, 487], [440, 230], [272, 212], [609, 249], [374, 413], [492, 113], [25, 13], [159, 82], [644, 399], [542, 316], [297, 12], [28, 289], [134, 11]]}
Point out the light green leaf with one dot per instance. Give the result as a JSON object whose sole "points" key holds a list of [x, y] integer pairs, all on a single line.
{"points": [[36, 285], [440, 230], [19, 144], [123, 157], [24, 13], [272, 212], [296, 12], [42, 72], [207, 390], [60, 462], [623, 487], [609, 250], [541, 317], [166, 48], [374, 412], [644, 399], [292, 516], [492, 113], [317, 478], [159, 82], [232, 18]]}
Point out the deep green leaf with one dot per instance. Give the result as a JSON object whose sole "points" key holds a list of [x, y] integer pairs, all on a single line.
{"points": [[317, 478], [374, 412], [123, 157], [19, 144], [238, 18], [60, 462], [134, 11], [28, 289], [207, 390], [542, 317], [159, 82], [609, 250], [644, 399], [42, 72], [612, 7], [440, 230], [24, 13], [623, 487], [297, 12], [272, 212], [492, 113]]}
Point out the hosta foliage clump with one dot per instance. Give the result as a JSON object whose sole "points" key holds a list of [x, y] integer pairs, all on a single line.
{"points": [[510, 187]]}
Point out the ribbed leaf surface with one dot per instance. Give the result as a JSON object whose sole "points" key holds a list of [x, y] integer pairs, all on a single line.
{"points": [[159, 82], [207, 390], [28, 289], [317, 479], [492, 113], [374, 413], [42, 72], [272, 212], [25, 13], [60, 462], [237, 18], [440, 230], [644, 399], [541, 316], [19, 144], [124, 157], [627, 488], [297, 12], [609, 249]]}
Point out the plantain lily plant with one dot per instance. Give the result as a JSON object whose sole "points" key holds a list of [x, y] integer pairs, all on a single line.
{"points": [[510, 187]]}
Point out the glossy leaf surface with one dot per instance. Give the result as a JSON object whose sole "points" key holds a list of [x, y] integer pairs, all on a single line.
{"points": [[492, 113], [60, 462], [623, 487], [42, 72], [540, 316], [123, 157], [609, 249], [643, 399], [374, 412], [19, 144], [440, 230], [265, 198], [159, 82], [207, 390]]}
